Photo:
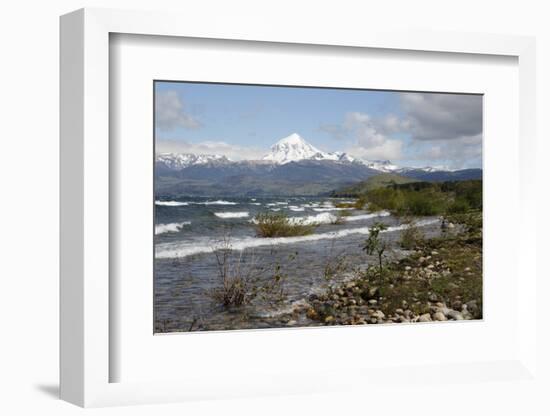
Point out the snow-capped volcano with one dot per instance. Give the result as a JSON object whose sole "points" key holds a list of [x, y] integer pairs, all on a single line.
{"points": [[294, 148]]}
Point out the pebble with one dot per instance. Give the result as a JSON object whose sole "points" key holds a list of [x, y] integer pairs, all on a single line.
{"points": [[407, 268], [434, 253], [373, 302], [291, 323], [457, 316], [439, 316], [329, 319], [457, 304], [378, 315], [472, 307], [425, 318], [312, 313]]}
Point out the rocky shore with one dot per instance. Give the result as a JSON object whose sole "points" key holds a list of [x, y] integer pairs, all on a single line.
{"points": [[440, 280]]}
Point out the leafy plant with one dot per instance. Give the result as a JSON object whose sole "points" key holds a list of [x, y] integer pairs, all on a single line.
{"points": [[374, 245]]}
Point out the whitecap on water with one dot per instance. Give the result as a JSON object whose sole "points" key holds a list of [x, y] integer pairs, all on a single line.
{"points": [[218, 202], [170, 228], [171, 203], [231, 214], [175, 250]]}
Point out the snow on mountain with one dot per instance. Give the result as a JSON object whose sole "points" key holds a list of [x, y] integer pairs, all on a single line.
{"points": [[427, 169], [294, 148], [179, 161], [381, 165], [290, 149]]}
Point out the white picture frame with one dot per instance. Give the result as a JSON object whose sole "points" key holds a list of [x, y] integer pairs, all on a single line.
{"points": [[85, 212]]}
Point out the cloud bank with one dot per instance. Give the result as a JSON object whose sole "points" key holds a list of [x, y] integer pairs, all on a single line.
{"points": [[233, 152], [170, 112], [436, 127]]}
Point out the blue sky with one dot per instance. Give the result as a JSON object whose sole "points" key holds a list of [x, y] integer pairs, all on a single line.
{"points": [[243, 121]]}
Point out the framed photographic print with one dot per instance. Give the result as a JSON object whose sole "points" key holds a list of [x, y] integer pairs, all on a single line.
{"points": [[256, 227], [237, 208]]}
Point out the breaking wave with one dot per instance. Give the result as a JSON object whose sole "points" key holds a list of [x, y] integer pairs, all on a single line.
{"points": [[170, 228], [218, 202], [177, 250], [171, 203], [366, 216], [231, 214]]}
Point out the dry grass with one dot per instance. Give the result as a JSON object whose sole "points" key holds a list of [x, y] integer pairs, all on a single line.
{"points": [[279, 225]]}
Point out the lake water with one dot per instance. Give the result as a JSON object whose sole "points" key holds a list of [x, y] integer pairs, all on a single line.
{"points": [[189, 232]]}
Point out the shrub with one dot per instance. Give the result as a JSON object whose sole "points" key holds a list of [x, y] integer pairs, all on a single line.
{"points": [[238, 277], [360, 202], [375, 245], [279, 225], [244, 278], [411, 236], [425, 202], [459, 206]]}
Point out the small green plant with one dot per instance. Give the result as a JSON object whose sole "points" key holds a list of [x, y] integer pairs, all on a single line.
{"points": [[279, 225], [374, 245]]}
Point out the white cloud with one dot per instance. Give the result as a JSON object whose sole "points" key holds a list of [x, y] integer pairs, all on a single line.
{"points": [[432, 128], [170, 112], [369, 136], [232, 152], [389, 149]]}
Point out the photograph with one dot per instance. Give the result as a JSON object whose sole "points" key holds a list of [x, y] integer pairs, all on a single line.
{"points": [[302, 206]]}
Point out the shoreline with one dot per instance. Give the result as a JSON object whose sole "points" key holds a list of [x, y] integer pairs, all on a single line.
{"points": [[439, 279]]}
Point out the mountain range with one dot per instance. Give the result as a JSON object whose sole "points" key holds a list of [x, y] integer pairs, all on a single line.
{"points": [[291, 167]]}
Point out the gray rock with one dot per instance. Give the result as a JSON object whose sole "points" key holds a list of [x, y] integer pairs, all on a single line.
{"points": [[455, 315], [439, 316], [425, 318], [473, 308], [378, 315]]}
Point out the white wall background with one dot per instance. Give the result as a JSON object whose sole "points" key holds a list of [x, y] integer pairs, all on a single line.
{"points": [[29, 56]]}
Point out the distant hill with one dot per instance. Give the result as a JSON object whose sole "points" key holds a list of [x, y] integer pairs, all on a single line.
{"points": [[443, 176], [259, 178], [378, 181]]}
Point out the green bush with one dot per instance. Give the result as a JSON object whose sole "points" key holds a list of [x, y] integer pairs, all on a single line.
{"points": [[360, 202], [279, 225], [426, 198], [459, 206]]}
